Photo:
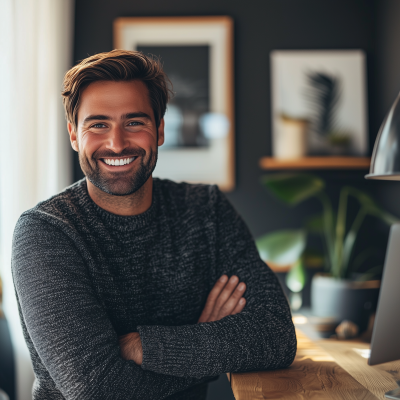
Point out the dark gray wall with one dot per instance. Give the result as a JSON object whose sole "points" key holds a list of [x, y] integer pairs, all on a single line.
{"points": [[261, 26], [387, 84], [388, 52]]}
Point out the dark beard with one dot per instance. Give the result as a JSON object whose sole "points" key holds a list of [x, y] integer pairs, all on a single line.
{"points": [[120, 183]]}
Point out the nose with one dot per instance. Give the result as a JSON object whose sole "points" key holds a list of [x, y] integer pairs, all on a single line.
{"points": [[117, 141]]}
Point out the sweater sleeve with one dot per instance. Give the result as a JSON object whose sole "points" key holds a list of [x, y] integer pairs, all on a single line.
{"points": [[261, 337], [67, 325]]}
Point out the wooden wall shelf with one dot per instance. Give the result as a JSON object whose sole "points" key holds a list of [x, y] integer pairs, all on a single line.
{"points": [[271, 163]]}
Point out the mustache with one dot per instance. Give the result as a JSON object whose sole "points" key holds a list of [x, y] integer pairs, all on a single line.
{"points": [[129, 151]]}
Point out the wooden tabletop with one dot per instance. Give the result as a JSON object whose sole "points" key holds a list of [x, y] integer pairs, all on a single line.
{"points": [[324, 369]]}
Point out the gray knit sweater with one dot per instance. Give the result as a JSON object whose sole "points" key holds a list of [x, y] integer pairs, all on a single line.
{"points": [[83, 276]]}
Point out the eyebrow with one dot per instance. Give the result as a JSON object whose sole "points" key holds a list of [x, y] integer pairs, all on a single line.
{"points": [[137, 114], [96, 117]]}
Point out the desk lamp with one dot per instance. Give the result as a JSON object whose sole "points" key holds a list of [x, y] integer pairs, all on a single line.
{"points": [[385, 164]]}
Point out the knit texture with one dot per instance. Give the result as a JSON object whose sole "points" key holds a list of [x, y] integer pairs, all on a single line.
{"points": [[84, 276]]}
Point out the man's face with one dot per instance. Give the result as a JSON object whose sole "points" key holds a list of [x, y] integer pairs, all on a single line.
{"points": [[116, 136]]}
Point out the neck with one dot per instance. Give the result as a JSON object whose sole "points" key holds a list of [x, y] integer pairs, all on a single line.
{"points": [[132, 204]]}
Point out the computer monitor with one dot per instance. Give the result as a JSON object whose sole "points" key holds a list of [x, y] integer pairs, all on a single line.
{"points": [[385, 343]]}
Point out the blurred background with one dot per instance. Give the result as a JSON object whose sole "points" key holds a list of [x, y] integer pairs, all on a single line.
{"points": [[41, 39]]}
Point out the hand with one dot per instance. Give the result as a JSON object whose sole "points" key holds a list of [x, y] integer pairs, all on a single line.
{"points": [[131, 347], [224, 299]]}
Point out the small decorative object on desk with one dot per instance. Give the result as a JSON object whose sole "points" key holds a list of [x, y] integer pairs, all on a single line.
{"points": [[323, 324], [347, 330]]}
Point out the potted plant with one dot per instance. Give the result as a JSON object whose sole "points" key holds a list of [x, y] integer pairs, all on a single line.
{"points": [[341, 292]]}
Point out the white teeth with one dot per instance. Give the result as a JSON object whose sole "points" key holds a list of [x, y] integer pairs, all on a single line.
{"points": [[118, 161]]}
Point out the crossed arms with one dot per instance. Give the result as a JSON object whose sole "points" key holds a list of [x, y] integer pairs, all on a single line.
{"points": [[224, 299]]}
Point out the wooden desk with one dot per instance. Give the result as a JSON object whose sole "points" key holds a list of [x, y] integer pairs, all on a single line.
{"points": [[324, 369]]}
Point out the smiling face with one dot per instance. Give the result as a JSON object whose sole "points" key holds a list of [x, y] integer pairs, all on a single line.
{"points": [[116, 136]]}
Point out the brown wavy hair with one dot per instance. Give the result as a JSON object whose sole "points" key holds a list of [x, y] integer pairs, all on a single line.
{"points": [[116, 65]]}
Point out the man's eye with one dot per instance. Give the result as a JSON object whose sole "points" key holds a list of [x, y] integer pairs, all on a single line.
{"points": [[134, 123], [99, 125]]}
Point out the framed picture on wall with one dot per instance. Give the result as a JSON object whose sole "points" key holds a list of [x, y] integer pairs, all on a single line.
{"points": [[197, 56], [319, 103]]}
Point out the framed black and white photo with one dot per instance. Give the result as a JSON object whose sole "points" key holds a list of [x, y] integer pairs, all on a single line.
{"points": [[319, 103], [196, 53]]}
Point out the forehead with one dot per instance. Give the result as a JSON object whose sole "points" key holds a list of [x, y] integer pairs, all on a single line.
{"points": [[114, 99]]}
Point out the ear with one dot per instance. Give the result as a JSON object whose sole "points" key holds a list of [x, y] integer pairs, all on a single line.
{"points": [[161, 133], [72, 136]]}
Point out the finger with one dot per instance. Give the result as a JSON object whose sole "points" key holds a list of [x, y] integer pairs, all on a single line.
{"points": [[239, 307], [224, 296], [233, 300], [212, 298]]}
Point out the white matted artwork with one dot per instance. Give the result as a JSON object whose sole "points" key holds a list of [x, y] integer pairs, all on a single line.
{"points": [[197, 56], [319, 103]]}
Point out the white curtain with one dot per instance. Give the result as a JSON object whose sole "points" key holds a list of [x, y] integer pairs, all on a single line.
{"points": [[35, 155]]}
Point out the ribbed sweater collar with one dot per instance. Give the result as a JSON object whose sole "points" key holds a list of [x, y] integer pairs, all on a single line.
{"points": [[118, 222]]}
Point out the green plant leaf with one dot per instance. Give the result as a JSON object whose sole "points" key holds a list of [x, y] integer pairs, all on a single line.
{"points": [[338, 269], [282, 247], [315, 224], [364, 198], [371, 273], [368, 206], [329, 221], [383, 215], [344, 243], [348, 249], [363, 257], [296, 277], [371, 207], [293, 188]]}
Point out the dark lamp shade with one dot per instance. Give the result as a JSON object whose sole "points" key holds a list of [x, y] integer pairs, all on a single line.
{"points": [[385, 161]]}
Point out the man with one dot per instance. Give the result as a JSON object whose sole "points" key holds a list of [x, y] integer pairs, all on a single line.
{"points": [[128, 286]]}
